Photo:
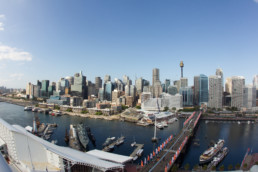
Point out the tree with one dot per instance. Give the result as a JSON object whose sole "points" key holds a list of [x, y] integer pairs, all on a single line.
{"points": [[56, 107], [173, 108], [124, 107], [165, 109], [213, 168], [37, 105], [195, 167], [245, 166], [256, 163], [187, 166], [84, 111], [230, 167], [98, 113], [138, 107], [237, 167], [205, 167], [69, 110], [221, 168]]}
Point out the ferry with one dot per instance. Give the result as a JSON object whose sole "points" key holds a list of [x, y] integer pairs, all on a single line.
{"points": [[28, 108], [218, 158], [209, 154]]}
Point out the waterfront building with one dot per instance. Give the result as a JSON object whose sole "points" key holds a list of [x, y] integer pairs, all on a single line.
{"points": [[129, 101], [238, 84], [107, 78], [79, 86], [44, 88], [130, 90], [203, 90], [172, 90], [183, 82], [215, 92], [121, 100], [36, 91], [228, 85], [101, 94], [167, 84], [76, 101], [249, 97], [255, 83], [115, 95], [157, 89], [108, 88], [166, 100], [187, 95], [89, 103], [28, 90]]}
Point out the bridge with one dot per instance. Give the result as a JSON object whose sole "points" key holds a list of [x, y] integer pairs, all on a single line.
{"points": [[164, 157]]}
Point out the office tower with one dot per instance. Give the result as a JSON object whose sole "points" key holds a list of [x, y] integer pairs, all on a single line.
{"points": [[139, 85], [36, 91], [108, 88], [119, 85], [44, 88], [203, 89], [79, 86], [70, 80], [107, 78], [101, 94], [196, 90], [183, 82], [155, 76], [127, 90], [51, 89], [228, 85], [172, 90], [126, 80], [130, 90], [255, 83], [163, 86], [182, 66], [39, 84], [167, 84], [238, 84], [249, 96], [91, 89], [115, 95], [219, 72], [177, 84], [187, 94], [28, 88], [215, 92], [98, 84]]}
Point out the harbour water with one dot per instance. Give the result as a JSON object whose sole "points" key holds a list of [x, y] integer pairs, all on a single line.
{"points": [[238, 137]]}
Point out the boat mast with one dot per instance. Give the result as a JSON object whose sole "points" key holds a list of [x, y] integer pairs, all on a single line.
{"points": [[155, 138]]}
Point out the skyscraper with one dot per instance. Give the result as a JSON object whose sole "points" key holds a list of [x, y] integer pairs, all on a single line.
{"points": [[156, 84], [79, 86], [219, 72], [139, 85], [187, 94], [255, 81], [44, 88], [107, 78], [167, 84], [196, 89], [249, 97], [155, 76], [238, 84], [203, 91], [98, 83], [172, 90], [183, 82], [108, 88], [215, 92], [228, 86]]}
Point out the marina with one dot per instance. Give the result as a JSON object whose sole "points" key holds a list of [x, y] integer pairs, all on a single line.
{"points": [[137, 151], [110, 143]]}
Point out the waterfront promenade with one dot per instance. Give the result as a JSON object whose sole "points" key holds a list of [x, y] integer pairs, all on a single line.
{"points": [[166, 158]]}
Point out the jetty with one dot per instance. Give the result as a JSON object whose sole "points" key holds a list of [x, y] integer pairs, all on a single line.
{"points": [[138, 147], [107, 148]]}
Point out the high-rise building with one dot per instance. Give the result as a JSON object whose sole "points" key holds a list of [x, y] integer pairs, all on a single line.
{"points": [[172, 90], [101, 94], [183, 82], [145, 96], [126, 80], [28, 88], [70, 80], [91, 89], [167, 84], [249, 96], [238, 84], [187, 94], [215, 92], [119, 85], [44, 88], [139, 85], [79, 86], [108, 88], [115, 95], [155, 76], [228, 85], [156, 84], [255, 81], [98, 84], [219, 72], [107, 78], [177, 84], [196, 90], [203, 91], [130, 90], [36, 91]]}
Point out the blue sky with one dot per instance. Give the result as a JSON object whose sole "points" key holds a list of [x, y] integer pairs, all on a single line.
{"points": [[52, 39]]}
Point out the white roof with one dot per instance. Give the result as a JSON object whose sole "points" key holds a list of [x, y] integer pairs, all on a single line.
{"points": [[110, 156], [67, 153]]}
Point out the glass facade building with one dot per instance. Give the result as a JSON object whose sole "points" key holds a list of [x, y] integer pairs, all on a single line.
{"points": [[187, 94], [108, 88], [203, 89]]}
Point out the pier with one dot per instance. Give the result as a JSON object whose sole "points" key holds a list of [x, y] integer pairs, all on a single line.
{"points": [[138, 147], [106, 148], [168, 154]]}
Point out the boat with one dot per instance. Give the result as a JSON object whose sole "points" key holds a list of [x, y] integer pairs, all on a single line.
{"points": [[83, 137], [210, 153], [139, 152], [164, 123], [133, 144], [159, 126], [40, 111], [28, 108], [135, 158], [110, 148], [218, 158], [108, 140], [238, 122], [73, 139], [120, 141], [172, 120], [113, 138], [142, 123], [154, 138], [35, 109], [90, 135]]}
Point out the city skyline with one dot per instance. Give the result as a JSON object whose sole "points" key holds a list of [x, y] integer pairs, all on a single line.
{"points": [[38, 42]]}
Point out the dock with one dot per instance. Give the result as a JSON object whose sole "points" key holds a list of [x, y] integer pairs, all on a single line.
{"points": [[138, 147], [106, 148]]}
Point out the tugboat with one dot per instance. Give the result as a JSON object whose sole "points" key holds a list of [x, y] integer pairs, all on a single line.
{"points": [[208, 155], [83, 138]]}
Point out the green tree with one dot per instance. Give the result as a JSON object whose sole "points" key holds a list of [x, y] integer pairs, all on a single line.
{"points": [[173, 108], [205, 167], [84, 111], [213, 168], [165, 109], [98, 113], [195, 167], [124, 107], [245, 166], [37, 105], [237, 167], [256, 163], [138, 107], [69, 110], [187, 166], [230, 167], [221, 168], [56, 107]]}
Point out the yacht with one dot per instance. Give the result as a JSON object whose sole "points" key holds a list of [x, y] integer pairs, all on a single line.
{"points": [[28, 108], [159, 126], [164, 123]]}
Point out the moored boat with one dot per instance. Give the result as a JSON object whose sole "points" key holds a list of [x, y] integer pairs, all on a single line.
{"points": [[28, 108], [83, 137], [218, 158], [159, 126], [172, 120], [209, 154]]}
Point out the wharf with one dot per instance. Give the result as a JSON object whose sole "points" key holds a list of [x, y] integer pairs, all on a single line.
{"points": [[139, 146], [106, 148]]}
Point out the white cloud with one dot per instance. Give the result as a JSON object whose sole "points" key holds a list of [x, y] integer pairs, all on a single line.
{"points": [[1, 23], [14, 75], [2, 16], [14, 54], [256, 1]]}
